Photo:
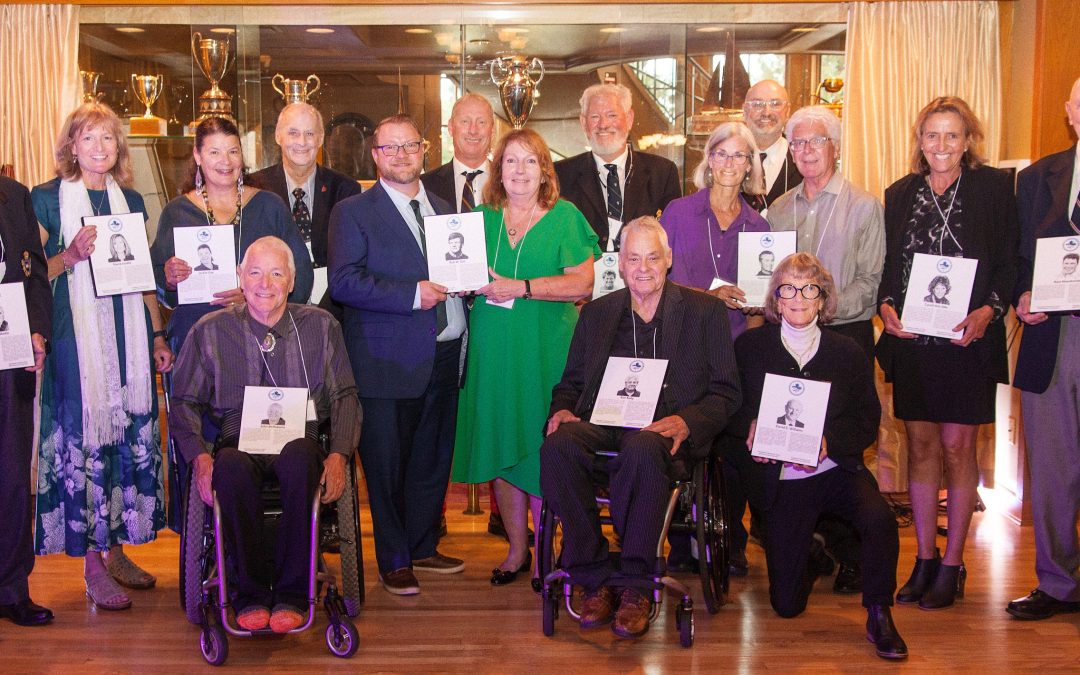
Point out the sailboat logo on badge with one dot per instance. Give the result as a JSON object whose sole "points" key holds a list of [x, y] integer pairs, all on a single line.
{"points": [[766, 240], [944, 265], [797, 388]]}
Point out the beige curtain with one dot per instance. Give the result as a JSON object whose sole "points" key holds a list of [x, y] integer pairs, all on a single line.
{"points": [[899, 56], [39, 84]]}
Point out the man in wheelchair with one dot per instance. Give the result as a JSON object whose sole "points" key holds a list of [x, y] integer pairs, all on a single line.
{"points": [[266, 342], [650, 319]]}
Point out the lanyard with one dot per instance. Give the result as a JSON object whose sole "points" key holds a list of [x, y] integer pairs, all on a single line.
{"points": [[708, 232], [633, 318], [303, 363], [944, 218], [521, 242], [828, 220]]}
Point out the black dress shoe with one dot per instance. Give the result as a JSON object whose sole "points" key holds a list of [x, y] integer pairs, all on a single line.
{"points": [[501, 577], [848, 580], [537, 585], [26, 613], [947, 587], [737, 564], [881, 630], [922, 577], [1038, 605]]}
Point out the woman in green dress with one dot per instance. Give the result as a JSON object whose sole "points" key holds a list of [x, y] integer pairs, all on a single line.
{"points": [[540, 253], [99, 464]]}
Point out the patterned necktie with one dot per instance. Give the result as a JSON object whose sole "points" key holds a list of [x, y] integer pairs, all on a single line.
{"points": [[440, 308], [614, 193], [468, 197], [1075, 220], [301, 214]]}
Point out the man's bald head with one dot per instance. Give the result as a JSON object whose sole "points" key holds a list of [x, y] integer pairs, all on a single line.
{"points": [[1072, 107], [766, 111]]}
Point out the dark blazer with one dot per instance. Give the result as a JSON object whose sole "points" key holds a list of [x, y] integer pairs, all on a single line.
{"points": [[440, 182], [1042, 199], [701, 384], [851, 419], [375, 264], [22, 251], [652, 183], [989, 235], [788, 179], [330, 188]]}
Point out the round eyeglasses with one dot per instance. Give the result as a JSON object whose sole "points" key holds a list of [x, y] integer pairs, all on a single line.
{"points": [[788, 291]]}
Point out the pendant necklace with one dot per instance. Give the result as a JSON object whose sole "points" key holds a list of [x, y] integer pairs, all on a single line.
{"points": [[512, 231]]}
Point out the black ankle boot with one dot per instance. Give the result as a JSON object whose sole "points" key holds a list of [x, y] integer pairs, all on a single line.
{"points": [[947, 587], [922, 576], [881, 630]]}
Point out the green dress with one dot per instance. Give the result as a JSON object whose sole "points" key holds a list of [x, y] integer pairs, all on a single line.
{"points": [[517, 355]]}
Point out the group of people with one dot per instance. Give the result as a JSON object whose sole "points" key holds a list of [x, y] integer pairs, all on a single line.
{"points": [[498, 385]]}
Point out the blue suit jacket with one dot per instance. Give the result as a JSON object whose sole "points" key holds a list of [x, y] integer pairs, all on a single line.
{"points": [[1042, 199], [374, 265]]}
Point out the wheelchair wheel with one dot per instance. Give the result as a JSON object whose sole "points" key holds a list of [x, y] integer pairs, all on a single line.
{"points": [[342, 638], [545, 551], [712, 534], [192, 554], [352, 568], [684, 621], [214, 645], [551, 609]]}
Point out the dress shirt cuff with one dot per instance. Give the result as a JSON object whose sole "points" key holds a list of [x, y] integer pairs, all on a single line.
{"points": [[416, 297]]}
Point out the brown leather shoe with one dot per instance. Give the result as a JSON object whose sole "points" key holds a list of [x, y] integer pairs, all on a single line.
{"points": [[400, 582], [439, 564], [632, 617], [597, 607]]}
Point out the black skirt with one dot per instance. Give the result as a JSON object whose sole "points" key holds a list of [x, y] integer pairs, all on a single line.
{"points": [[940, 383]]}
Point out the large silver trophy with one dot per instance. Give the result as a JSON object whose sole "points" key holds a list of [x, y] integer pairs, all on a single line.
{"points": [[147, 88], [295, 91], [516, 86], [89, 80], [212, 57]]}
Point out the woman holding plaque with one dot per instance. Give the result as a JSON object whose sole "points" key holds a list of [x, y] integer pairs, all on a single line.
{"points": [[801, 297], [951, 205], [540, 252], [99, 463], [215, 194]]}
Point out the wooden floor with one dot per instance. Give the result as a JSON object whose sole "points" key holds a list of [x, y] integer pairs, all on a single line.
{"points": [[461, 623]]}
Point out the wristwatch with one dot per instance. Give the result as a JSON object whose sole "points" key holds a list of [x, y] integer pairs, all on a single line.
{"points": [[528, 290]]}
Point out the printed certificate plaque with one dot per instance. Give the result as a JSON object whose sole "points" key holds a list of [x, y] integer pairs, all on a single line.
{"points": [[16, 349], [457, 251], [938, 293], [1055, 282], [758, 254], [211, 252], [629, 392], [120, 262], [272, 417], [791, 419]]}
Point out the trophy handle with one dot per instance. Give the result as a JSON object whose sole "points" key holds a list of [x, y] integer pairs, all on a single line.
{"points": [[196, 38], [318, 83], [228, 51], [537, 62], [491, 70], [134, 85], [274, 83], [160, 85]]}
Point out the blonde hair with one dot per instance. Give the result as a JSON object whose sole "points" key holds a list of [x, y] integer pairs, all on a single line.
{"points": [[89, 116]]}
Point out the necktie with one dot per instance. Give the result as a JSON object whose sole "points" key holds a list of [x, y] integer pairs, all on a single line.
{"points": [[614, 193], [468, 198], [1076, 214], [440, 308], [301, 214]]}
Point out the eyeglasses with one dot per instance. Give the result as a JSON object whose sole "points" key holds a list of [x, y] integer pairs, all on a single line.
{"points": [[816, 142], [758, 104], [809, 291], [738, 159], [411, 147]]}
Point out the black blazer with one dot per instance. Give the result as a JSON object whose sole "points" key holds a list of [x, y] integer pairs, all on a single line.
{"points": [[440, 183], [701, 384], [652, 183], [989, 235], [1042, 199], [330, 188], [788, 179], [26, 264]]}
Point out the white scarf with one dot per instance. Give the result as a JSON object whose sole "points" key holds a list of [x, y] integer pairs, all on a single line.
{"points": [[105, 403]]}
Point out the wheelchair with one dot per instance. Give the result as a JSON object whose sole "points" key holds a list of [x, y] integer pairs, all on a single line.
{"points": [[699, 498], [204, 590]]}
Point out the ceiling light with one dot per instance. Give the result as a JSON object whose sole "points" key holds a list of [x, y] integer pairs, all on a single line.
{"points": [[418, 31], [319, 31], [480, 42], [225, 31], [130, 29], [613, 29], [804, 29], [708, 29]]}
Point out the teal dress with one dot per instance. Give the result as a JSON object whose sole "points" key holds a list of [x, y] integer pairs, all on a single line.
{"points": [[517, 355], [90, 501]]}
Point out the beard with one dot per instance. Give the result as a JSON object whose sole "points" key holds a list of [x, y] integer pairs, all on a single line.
{"points": [[402, 174]]}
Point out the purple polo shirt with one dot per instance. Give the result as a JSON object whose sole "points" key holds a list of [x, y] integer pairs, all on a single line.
{"points": [[690, 223]]}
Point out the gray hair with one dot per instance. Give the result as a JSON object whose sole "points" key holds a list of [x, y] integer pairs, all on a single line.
{"points": [[274, 244], [645, 224], [805, 267], [754, 182], [302, 107], [816, 113], [619, 91]]}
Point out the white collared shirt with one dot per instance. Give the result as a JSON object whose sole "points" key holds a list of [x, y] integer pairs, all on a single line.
{"points": [[478, 183], [775, 155], [455, 312]]}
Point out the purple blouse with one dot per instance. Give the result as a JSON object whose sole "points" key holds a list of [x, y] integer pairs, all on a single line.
{"points": [[691, 227]]}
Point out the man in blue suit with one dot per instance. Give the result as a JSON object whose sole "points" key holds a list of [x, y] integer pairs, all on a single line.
{"points": [[1048, 374], [404, 337]]}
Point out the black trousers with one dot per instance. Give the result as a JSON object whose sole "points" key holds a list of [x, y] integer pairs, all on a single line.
{"points": [[406, 447], [639, 480], [861, 332], [16, 447], [238, 480], [789, 527]]}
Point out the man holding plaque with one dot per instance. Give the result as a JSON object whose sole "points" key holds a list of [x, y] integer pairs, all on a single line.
{"points": [[651, 318], [265, 342], [22, 261], [1048, 374]]}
